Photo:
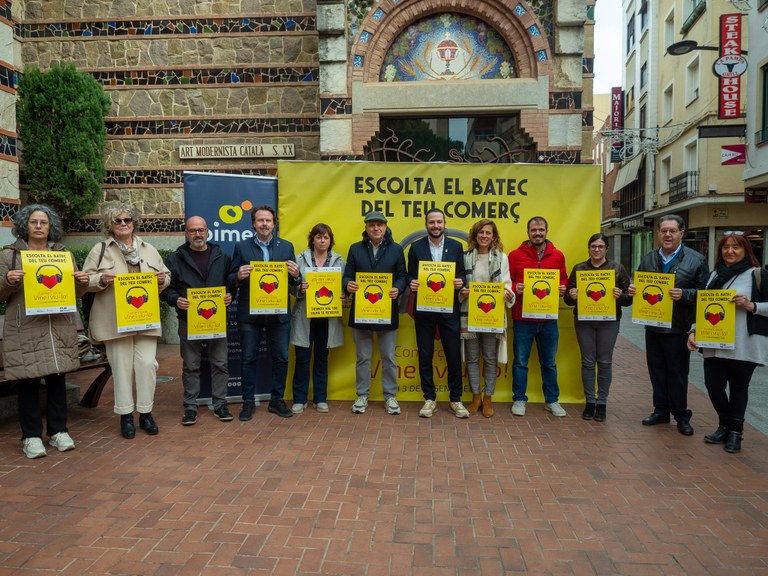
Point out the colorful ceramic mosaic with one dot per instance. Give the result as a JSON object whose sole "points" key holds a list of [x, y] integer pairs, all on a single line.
{"points": [[334, 106], [8, 146], [164, 26], [205, 76], [148, 225], [7, 77], [187, 127], [545, 12], [564, 100], [448, 47], [357, 10], [560, 157], [8, 211], [132, 178]]}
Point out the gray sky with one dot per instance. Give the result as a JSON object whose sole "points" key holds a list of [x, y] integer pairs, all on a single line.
{"points": [[608, 49]]}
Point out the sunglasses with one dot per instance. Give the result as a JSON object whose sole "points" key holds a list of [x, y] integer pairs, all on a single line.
{"points": [[123, 220], [734, 233]]}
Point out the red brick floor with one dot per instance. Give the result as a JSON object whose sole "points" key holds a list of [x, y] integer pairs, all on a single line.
{"points": [[374, 494]]}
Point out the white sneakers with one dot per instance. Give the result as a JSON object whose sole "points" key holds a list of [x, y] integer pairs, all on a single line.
{"points": [[33, 448], [298, 408], [518, 408], [322, 407], [556, 409], [458, 410], [391, 406], [429, 408], [360, 405], [62, 442]]}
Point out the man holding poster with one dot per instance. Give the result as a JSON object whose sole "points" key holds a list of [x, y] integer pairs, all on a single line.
{"points": [[199, 264], [666, 349], [536, 252], [437, 248], [265, 246], [376, 256]]}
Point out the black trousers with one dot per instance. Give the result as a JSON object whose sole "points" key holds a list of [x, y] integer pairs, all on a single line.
{"points": [[449, 327], [30, 419], [668, 361], [734, 375]]}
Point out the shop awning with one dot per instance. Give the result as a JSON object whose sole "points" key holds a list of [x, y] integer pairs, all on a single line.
{"points": [[628, 173]]}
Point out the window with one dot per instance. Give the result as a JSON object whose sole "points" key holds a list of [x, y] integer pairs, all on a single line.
{"points": [[644, 15], [669, 28], [665, 173], [643, 119], [644, 75], [691, 156], [668, 104], [630, 34], [692, 10], [630, 101], [692, 80], [762, 136]]}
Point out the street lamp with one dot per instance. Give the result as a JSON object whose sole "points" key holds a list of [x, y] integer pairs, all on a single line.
{"points": [[686, 46]]}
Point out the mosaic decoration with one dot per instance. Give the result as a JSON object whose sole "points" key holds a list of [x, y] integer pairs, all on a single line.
{"points": [[205, 76], [357, 10], [448, 47], [133, 178], [545, 12], [8, 146], [564, 100], [335, 106], [7, 77], [148, 225], [164, 27], [588, 65], [559, 157], [587, 118], [8, 211], [186, 127]]}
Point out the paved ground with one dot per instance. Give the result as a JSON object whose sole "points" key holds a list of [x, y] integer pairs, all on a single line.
{"points": [[376, 495]]}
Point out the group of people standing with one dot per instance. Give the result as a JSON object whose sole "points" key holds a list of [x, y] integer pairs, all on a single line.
{"points": [[44, 346]]}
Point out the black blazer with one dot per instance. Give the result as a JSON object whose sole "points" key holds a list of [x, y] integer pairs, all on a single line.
{"points": [[452, 252], [247, 251]]}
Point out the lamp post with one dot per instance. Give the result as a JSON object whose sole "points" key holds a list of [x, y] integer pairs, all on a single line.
{"points": [[686, 46]]}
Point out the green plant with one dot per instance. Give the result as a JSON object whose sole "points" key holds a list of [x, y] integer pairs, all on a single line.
{"points": [[61, 126]]}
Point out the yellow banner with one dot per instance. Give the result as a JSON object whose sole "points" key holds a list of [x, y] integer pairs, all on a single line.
{"points": [[207, 314], [324, 292], [486, 307], [137, 302], [49, 283], [509, 194], [269, 288], [716, 319], [436, 290], [652, 305], [372, 302], [595, 300], [542, 297]]}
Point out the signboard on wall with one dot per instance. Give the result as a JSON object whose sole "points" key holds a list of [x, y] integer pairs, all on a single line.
{"points": [[617, 122], [729, 67]]}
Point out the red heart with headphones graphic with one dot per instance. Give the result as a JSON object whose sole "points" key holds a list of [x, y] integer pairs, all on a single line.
{"points": [[373, 297], [595, 294], [207, 312], [486, 306], [652, 299], [269, 287], [50, 281], [541, 293], [137, 301]]}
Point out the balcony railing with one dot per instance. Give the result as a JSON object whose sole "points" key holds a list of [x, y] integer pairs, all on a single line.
{"points": [[682, 186]]}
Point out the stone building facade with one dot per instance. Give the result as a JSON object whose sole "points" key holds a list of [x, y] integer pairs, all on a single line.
{"points": [[304, 80]]}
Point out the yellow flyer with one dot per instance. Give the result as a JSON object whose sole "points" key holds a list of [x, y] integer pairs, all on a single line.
{"points": [[324, 292], [436, 290], [269, 288], [541, 298], [716, 319], [207, 314], [652, 305], [49, 283], [372, 302], [137, 302], [486, 307], [595, 300]]}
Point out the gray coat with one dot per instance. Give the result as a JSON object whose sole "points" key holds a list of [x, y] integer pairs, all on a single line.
{"points": [[299, 320]]}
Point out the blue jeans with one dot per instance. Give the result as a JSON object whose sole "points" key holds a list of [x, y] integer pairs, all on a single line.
{"points": [[278, 335], [318, 343], [546, 335]]}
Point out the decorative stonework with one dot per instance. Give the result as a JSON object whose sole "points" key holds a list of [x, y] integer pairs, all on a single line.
{"points": [[7, 77], [149, 225], [335, 106], [188, 127], [170, 176], [8, 210], [564, 100], [220, 76]]}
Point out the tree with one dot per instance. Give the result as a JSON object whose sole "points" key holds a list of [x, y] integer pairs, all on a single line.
{"points": [[61, 126]]}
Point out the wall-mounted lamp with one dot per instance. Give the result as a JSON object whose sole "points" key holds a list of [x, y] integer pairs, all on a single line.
{"points": [[686, 46]]}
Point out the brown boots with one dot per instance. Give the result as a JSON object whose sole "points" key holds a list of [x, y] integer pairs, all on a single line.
{"points": [[487, 406], [474, 406], [479, 402]]}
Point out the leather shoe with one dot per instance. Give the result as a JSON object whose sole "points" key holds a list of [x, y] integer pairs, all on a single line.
{"points": [[589, 411], [247, 412], [127, 429], [656, 418], [685, 428], [600, 412], [733, 442], [278, 407], [147, 423], [717, 437]]}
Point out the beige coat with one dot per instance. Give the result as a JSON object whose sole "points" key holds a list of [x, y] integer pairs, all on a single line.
{"points": [[38, 345], [102, 324]]}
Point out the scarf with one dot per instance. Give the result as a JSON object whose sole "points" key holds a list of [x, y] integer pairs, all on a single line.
{"points": [[725, 273], [130, 253]]}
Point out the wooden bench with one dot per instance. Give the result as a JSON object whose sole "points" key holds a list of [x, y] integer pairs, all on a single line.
{"points": [[91, 397]]}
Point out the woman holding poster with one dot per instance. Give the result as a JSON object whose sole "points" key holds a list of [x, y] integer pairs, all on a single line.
{"points": [[131, 354], [319, 334], [38, 346], [736, 268], [595, 333], [484, 261]]}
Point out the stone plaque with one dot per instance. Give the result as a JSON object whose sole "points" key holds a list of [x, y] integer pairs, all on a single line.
{"points": [[247, 150]]}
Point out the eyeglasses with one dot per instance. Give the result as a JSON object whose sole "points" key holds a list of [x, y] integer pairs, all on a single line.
{"points": [[667, 231], [194, 231], [597, 247], [123, 220], [41, 223], [734, 233]]}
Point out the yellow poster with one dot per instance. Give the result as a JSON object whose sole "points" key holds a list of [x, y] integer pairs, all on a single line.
{"points": [[324, 292], [595, 300], [542, 293], [372, 302], [508, 194], [49, 286], [652, 305], [436, 290], [269, 288], [486, 307], [137, 302], [207, 314], [716, 319]]}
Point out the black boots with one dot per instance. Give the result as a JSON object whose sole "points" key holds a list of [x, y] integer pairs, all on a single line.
{"points": [[147, 423], [127, 429], [589, 411], [735, 429], [718, 436]]}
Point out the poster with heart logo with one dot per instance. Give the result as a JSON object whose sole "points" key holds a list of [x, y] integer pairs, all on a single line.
{"points": [[49, 284], [269, 288], [595, 300], [486, 307], [137, 302], [436, 289], [207, 314], [716, 319], [541, 297], [324, 292], [372, 302], [652, 305]]}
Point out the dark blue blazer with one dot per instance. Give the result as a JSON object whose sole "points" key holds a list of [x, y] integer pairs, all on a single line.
{"points": [[452, 252], [246, 251]]}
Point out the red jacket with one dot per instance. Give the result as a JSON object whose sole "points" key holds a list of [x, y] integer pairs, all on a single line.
{"points": [[526, 256]]}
